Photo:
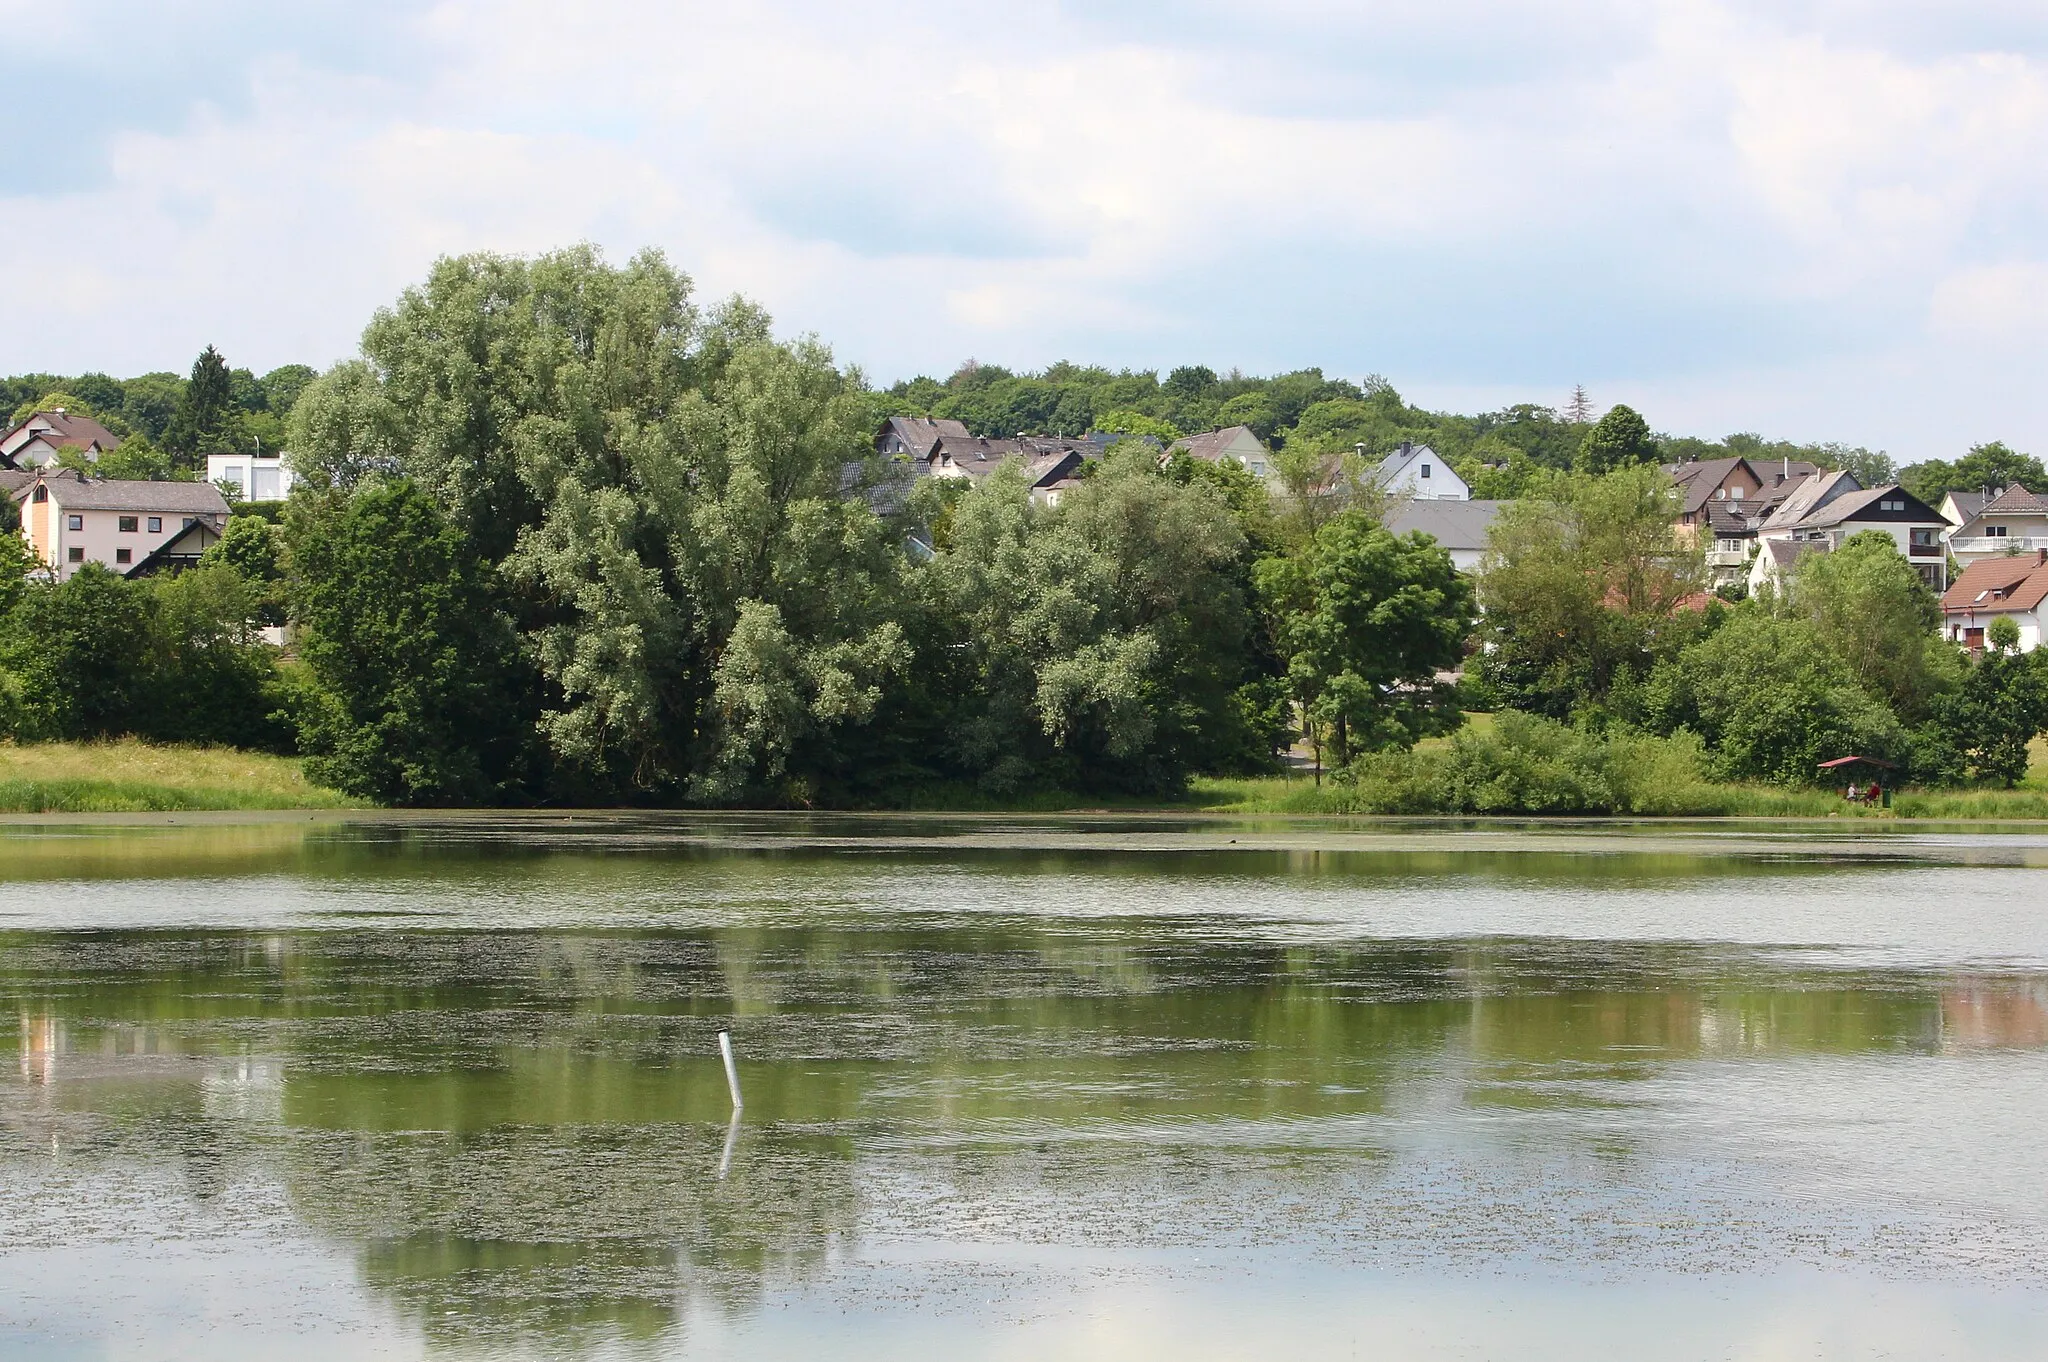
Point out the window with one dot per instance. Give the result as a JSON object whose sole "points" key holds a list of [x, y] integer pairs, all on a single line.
{"points": [[75, 553], [190, 521], [1891, 505], [74, 522], [127, 524], [1735, 494], [42, 494], [1425, 470], [1994, 531], [266, 480], [156, 524], [124, 555], [1924, 538]]}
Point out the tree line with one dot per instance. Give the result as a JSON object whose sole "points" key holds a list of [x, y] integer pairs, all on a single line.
{"points": [[566, 534]]}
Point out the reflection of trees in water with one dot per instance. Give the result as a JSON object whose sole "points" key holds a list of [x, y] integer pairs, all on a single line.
{"points": [[567, 1237]]}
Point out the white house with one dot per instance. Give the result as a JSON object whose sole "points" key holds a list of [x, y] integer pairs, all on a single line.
{"points": [[1418, 471], [1826, 509], [70, 520], [2001, 587], [260, 477], [1459, 526], [1236, 442], [2013, 521]]}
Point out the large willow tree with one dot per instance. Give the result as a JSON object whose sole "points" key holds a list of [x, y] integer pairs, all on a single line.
{"points": [[659, 490]]}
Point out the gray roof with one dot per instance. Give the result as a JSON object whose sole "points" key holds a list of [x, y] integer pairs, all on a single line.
{"points": [[1850, 504], [75, 492], [1968, 504], [920, 433], [1453, 524]]}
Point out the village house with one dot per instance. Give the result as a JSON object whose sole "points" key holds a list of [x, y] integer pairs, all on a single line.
{"points": [[1459, 526], [1419, 472], [2004, 587], [1233, 442], [2012, 521], [134, 528], [36, 441], [257, 477], [1821, 511], [1957, 508], [1723, 501]]}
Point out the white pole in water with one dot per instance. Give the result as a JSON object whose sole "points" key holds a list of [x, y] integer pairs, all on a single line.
{"points": [[732, 1075]]}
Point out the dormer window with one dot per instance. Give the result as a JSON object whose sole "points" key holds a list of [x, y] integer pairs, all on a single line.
{"points": [[42, 494]]}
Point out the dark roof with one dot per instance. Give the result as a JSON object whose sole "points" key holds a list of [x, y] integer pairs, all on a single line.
{"points": [[1453, 524], [181, 550], [14, 479], [2011, 582], [1850, 505], [1700, 479], [1727, 521], [1968, 504], [76, 492]]}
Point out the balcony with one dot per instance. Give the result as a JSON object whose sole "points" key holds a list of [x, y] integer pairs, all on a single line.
{"points": [[1992, 545], [1727, 558], [1925, 550]]}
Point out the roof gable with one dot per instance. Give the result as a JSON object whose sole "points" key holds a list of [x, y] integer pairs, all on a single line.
{"points": [[2015, 582]]}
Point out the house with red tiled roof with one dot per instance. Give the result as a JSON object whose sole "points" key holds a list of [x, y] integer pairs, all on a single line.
{"points": [[2005, 587], [36, 441], [2013, 521]]}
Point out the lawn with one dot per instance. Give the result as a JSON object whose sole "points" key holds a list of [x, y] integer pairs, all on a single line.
{"points": [[128, 776]]}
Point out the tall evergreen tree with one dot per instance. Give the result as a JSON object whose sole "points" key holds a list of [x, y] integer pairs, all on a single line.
{"points": [[204, 422]]}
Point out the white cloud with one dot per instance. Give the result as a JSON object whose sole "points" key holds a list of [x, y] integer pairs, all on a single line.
{"points": [[1759, 216]]}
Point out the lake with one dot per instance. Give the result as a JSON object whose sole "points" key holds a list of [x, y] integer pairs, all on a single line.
{"points": [[1111, 1087]]}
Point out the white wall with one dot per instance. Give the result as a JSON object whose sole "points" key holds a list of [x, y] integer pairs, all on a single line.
{"points": [[261, 479]]}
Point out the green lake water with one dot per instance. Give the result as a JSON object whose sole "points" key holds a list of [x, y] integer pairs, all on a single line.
{"points": [[1146, 1088]]}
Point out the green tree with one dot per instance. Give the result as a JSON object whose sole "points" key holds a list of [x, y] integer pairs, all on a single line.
{"points": [[1998, 709], [1772, 701], [1366, 619], [283, 385], [1583, 584], [1986, 465], [1871, 609], [78, 653], [206, 418], [1620, 439], [345, 427], [1093, 645], [423, 698]]}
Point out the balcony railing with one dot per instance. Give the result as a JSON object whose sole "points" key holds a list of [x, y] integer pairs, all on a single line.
{"points": [[2002, 543], [1924, 550], [1727, 558]]}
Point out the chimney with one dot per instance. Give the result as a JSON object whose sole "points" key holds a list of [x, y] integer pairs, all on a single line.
{"points": [[1407, 446], [1786, 476], [2041, 557]]}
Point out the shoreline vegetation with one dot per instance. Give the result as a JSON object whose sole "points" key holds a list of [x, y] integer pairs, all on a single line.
{"points": [[562, 538], [130, 776]]}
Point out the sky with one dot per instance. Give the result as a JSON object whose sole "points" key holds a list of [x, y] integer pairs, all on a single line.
{"points": [[1814, 219]]}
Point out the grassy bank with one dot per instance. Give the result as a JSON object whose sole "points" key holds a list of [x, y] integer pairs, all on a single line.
{"points": [[127, 776]]}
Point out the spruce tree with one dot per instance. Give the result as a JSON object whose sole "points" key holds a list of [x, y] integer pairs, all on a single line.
{"points": [[204, 422]]}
